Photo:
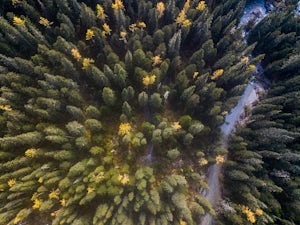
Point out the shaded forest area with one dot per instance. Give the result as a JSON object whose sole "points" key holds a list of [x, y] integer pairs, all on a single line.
{"points": [[109, 112]]}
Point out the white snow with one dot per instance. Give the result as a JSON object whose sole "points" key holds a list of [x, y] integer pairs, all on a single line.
{"points": [[253, 11], [297, 10], [249, 96]]}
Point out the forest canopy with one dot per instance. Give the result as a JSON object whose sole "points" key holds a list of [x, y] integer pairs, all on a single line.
{"points": [[110, 112]]}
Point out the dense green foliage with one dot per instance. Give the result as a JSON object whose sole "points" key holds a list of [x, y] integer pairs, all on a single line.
{"points": [[263, 170], [109, 112], [108, 107]]}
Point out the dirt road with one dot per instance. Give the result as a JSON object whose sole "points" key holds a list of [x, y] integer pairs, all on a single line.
{"points": [[213, 194]]}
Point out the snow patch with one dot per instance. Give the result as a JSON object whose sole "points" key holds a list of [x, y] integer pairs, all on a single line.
{"points": [[297, 10], [254, 11]]}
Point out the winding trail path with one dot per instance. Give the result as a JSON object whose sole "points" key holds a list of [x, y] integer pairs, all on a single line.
{"points": [[250, 95], [213, 194]]}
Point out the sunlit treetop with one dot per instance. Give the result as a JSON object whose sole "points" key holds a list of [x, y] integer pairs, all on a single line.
{"points": [[220, 159], [148, 80], [124, 128], [15, 2], [203, 162], [89, 34], [133, 27], [106, 28], [217, 74], [63, 202], [31, 152], [54, 194], [40, 180], [186, 6], [181, 17], [186, 23], [124, 179], [99, 176], [34, 196], [11, 182], [45, 22], [37, 203], [54, 214], [123, 35], [76, 54], [100, 12], [142, 25], [224, 113], [118, 5], [136, 26], [18, 21], [182, 222], [160, 7], [5, 107], [245, 59], [87, 62], [259, 212], [249, 213], [196, 74], [156, 60], [176, 125], [251, 67], [201, 5], [17, 219], [90, 189]]}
